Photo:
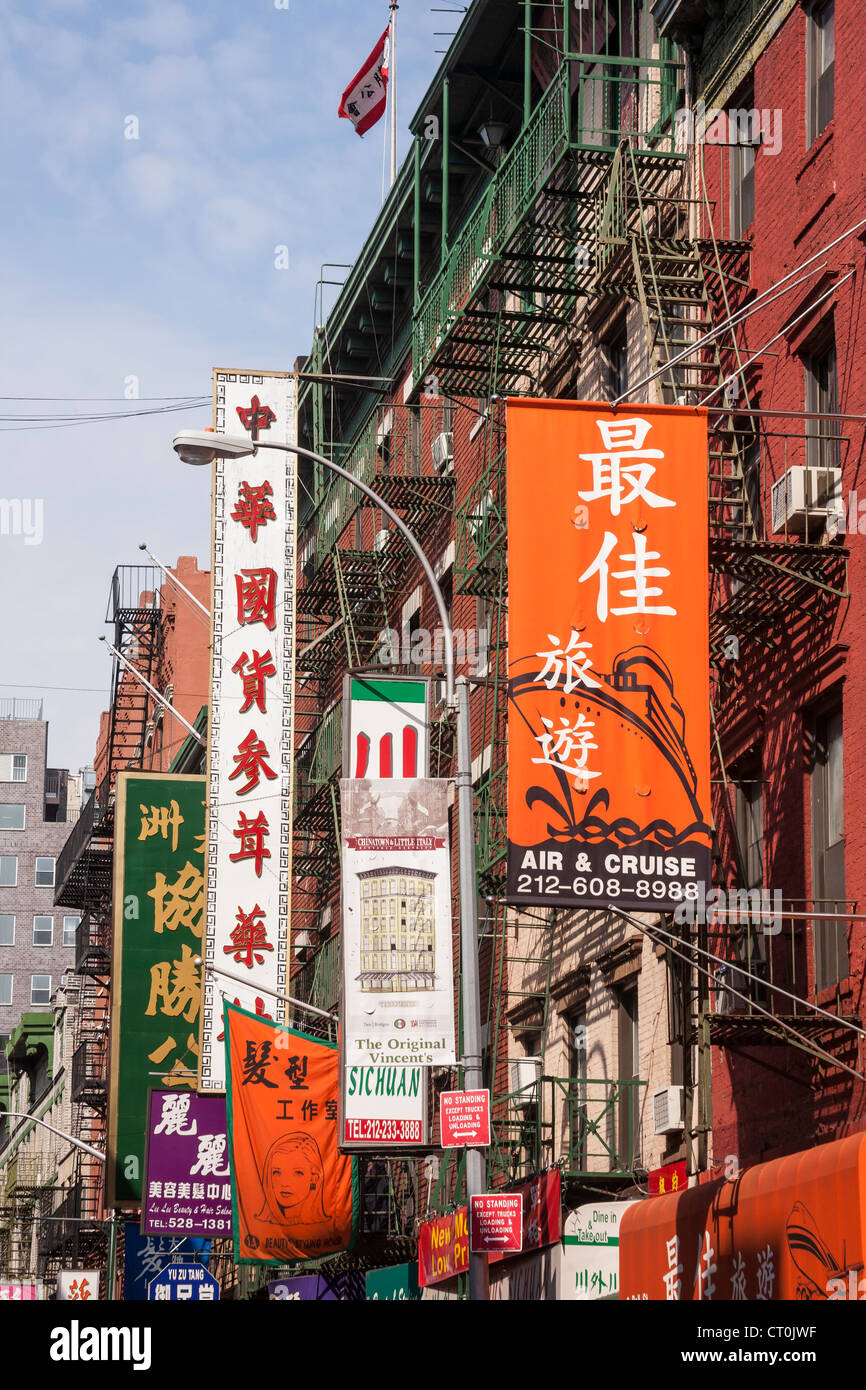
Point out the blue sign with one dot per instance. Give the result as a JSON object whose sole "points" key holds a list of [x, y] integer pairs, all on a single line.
{"points": [[146, 1256], [184, 1282]]}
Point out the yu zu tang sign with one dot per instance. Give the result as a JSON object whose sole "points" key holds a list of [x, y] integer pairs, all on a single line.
{"points": [[608, 691]]}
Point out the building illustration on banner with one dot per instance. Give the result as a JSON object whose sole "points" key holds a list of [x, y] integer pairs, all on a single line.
{"points": [[398, 929]]}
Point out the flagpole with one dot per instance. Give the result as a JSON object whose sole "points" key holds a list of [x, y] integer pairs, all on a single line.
{"points": [[392, 83]]}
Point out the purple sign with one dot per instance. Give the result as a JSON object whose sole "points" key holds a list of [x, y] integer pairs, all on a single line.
{"points": [[187, 1186], [342, 1288]]}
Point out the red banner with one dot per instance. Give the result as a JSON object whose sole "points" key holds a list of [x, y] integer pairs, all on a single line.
{"points": [[443, 1244], [363, 102], [443, 1247], [671, 1178]]}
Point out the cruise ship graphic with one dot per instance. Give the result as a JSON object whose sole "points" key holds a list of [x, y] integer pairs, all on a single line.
{"points": [[633, 704]]}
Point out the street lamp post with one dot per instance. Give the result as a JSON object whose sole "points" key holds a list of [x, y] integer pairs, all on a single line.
{"points": [[202, 447], [111, 1259]]}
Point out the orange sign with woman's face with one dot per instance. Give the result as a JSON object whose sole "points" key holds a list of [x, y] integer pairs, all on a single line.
{"points": [[294, 1194], [608, 675]]}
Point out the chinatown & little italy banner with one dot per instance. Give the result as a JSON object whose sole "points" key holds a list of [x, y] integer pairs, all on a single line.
{"points": [[398, 971], [295, 1196], [159, 898], [250, 758], [608, 713], [187, 1188]]}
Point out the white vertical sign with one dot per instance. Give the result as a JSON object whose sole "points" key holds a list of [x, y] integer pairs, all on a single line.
{"points": [[252, 708], [398, 968]]}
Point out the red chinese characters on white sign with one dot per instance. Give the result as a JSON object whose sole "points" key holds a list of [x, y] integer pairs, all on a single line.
{"points": [[250, 753]]}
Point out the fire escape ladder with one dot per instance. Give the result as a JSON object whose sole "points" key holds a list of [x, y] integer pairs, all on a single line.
{"points": [[677, 310], [522, 1128]]}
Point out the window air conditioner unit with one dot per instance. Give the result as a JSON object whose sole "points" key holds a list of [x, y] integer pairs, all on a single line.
{"points": [[443, 451], [301, 942], [381, 540], [524, 1079], [806, 494], [668, 1110]]}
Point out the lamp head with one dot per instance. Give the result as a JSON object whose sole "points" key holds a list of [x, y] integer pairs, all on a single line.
{"points": [[203, 446]]}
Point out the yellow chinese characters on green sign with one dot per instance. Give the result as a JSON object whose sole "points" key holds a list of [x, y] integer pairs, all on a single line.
{"points": [[159, 901]]}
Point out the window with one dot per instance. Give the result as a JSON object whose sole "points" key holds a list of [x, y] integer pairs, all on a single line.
{"points": [[8, 871], [614, 353], [11, 816], [5, 989], [40, 989], [828, 849], [748, 931], [822, 398], [7, 929], [577, 1036], [415, 649], [43, 931], [820, 61], [483, 626], [677, 982], [628, 1145], [741, 161], [44, 872], [70, 927], [752, 485], [750, 823], [13, 767], [413, 460]]}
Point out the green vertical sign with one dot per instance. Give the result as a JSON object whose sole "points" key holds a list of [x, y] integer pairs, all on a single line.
{"points": [[159, 908]]}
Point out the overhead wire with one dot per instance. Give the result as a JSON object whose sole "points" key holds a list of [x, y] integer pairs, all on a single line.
{"points": [[827, 1057]]}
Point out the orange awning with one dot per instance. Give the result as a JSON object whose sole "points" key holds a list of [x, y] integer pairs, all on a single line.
{"points": [[789, 1229]]}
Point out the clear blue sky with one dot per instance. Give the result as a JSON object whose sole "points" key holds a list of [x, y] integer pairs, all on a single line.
{"points": [[154, 258]]}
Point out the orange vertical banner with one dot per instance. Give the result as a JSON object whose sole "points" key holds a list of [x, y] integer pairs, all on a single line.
{"points": [[608, 649], [294, 1195]]}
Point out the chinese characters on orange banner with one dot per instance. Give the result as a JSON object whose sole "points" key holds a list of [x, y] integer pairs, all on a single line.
{"points": [[295, 1194], [608, 720]]}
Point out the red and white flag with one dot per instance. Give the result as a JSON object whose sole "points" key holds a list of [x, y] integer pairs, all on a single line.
{"points": [[363, 101]]}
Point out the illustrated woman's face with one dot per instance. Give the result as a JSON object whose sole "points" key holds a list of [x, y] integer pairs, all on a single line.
{"points": [[291, 1174]]}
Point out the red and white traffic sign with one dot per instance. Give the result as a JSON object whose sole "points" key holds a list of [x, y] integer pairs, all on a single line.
{"points": [[496, 1223], [464, 1119]]}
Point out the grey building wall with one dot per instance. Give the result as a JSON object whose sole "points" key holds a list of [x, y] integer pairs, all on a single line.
{"points": [[40, 838]]}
